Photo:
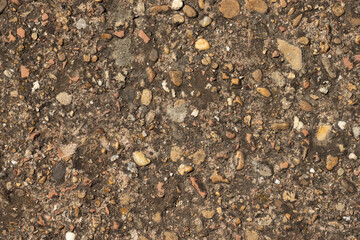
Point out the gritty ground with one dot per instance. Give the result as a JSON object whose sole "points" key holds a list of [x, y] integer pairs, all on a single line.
{"points": [[179, 119]]}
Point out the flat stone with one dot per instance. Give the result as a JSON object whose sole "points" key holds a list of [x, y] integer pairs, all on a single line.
{"points": [[144, 36], [3, 4], [178, 111], [170, 236], [198, 157], [229, 8], [240, 159], [304, 40], [202, 44], [329, 69], [175, 154], [280, 126], [259, 6], [291, 53], [176, 77], [278, 79], [150, 74], [331, 162], [59, 171], [251, 235], [146, 97], [182, 169], [263, 91], [81, 24], [349, 186], [24, 72], [208, 214], [296, 21], [264, 169], [257, 75], [356, 132], [305, 106], [64, 98], [159, 9], [189, 11], [323, 132]]}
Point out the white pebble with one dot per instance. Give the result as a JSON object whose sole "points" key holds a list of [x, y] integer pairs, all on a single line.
{"points": [[36, 86], [323, 90], [195, 113], [70, 236], [342, 125], [177, 4], [352, 156], [356, 131], [206, 21], [277, 181], [81, 24], [114, 158], [312, 170]]}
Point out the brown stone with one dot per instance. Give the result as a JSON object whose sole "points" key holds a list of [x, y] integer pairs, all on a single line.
{"points": [[229, 8], [159, 9], [280, 126], [151, 74], [331, 162], [337, 10], [257, 75], [189, 11], [259, 6], [106, 36], [305, 106], [176, 78]]}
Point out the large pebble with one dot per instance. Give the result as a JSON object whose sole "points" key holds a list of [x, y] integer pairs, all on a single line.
{"points": [[146, 97], [70, 236], [206, 21], [189, 11], [64, 98], [182, 169], [177, 4], [259, 6], [229, 8], [291, 53], [176, 77], [356, 132], [202, 44], [239, 157], [331, 162], [323, 132], [140, 159]]}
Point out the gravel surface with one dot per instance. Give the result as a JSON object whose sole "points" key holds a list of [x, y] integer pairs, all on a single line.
{"points": [[179, 119]]}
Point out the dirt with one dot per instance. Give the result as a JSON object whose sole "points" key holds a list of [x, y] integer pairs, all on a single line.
{"points": [[278, 89]]}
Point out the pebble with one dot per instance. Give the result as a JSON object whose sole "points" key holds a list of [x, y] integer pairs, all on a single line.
{"points": [[70, 236], [298, 125], [305, 106], [208, 214], [175, 154], [278, 78], [146, 97], [182, 169], [217, 178], [61, 56], [289, 196], [150, 74], [177, 5], [154, 55], [291, 53], [337, 10], [140, 159], [264, 169], [114, 158], [64, 98], [81, 24], [177, 113], [356, 132], [206, 21], [34, 36], [349, 186], [297, 20], [352, 156], [176, 77], [170, 236], [251, 235], [280, 126], [202, 44], [342, 125], [144, 36], [240, 158], [229, 8], [323, 132], [304, 40], [259, 6], [59, 171], [331, 162], [198, 157], [86, 58], [178, 19], [263, 91], [24, 72], [106, 36], [159, 9], [189, 11], [257, 75]]}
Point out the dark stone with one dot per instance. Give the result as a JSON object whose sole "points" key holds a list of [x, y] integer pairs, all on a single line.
{"points": [[59, 172], [3, 4], [153, 56]]}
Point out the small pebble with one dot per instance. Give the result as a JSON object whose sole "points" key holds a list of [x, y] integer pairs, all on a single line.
{"points": [[206, 21], [177, 4], [140, 159], [70, 236], [81, 24], [352, 156], [342, 125], [64, 98], [202, 44]]}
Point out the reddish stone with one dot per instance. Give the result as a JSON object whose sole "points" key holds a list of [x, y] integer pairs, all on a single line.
{"points": [[21, 32], [349, 65], [24, 71], [143, 36], [196, 186], [119, 34], [44, 17]]}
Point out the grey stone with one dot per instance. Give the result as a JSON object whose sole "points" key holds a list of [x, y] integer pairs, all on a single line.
{"points": [[81, 24], [121, 52], [59, 172], [264, 169], [64, 98]]}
